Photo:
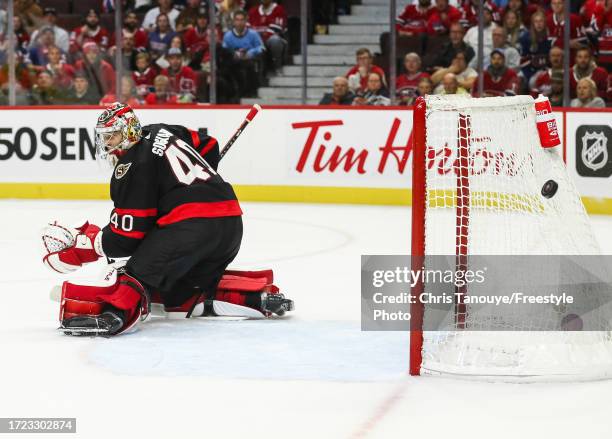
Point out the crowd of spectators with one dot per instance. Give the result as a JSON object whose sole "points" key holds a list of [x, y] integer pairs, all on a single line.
{"points": [[522, 46], [165, 52]]}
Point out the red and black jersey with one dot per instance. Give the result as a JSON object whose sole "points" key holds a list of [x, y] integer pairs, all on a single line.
{"points": [[439, 22], [593, 13], [144, 80], [268, 22], [556, 27], [100, 36], [169, 176], [182, 81], [470, 13], [406, 85], [413, 20], [599, 75], [505, 85]]}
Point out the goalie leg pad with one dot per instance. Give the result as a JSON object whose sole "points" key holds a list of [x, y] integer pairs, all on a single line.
{"points": [[239, 293], [127, 295]]}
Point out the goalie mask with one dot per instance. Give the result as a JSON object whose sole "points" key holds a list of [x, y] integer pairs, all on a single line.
{"points": [[117, 130]]}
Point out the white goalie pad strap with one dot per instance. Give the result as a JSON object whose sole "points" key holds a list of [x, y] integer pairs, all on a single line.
{"points": [[232, 310], [54, 263], [221, 309]]}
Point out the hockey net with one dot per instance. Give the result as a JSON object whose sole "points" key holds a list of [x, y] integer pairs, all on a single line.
{"points": [[477, 181]]}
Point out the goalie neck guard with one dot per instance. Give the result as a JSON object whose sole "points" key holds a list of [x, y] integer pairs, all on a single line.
{"points": [[118, 119]]}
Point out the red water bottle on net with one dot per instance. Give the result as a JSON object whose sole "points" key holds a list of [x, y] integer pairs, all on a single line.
{"points": [[546, 123]]}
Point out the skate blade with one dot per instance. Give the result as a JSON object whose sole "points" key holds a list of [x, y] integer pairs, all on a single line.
{"points": [[85, 332]]}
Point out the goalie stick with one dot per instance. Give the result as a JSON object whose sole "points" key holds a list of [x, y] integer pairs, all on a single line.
{"points": [[252, 113]]}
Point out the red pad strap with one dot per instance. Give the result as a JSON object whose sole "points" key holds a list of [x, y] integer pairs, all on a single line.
{"points": [[268, 274], [248, 281], [231, 297]]}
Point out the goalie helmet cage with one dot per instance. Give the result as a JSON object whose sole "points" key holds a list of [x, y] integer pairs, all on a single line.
{"points": [[469, 198]]}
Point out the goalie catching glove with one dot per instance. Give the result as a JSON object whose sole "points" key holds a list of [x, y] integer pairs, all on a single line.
{"points": [[69, 248]]}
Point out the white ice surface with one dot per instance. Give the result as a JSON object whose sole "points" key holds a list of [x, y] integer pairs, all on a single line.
{"points": [[314, 374]]}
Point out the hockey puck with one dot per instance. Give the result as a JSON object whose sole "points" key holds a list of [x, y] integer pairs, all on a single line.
{"points": [[550, 189]]}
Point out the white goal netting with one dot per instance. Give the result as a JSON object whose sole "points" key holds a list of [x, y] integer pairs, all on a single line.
{"points": [[484, 174]]}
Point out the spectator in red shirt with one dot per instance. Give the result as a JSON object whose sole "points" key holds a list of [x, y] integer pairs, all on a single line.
{"points": [[593, 14], [605, 39], [470, 12], [556, 21], [131, 29], [269, 19], [100, 74], [406, 85], [585, 67], [91, 31], [197, 43], [182, 78], [62, 73], [499, 80], [413, 20], [609, 90], [131, 26], [541, 82], [162, 94], [358, 75], [144, 75], [127, 94], [441, 17]]}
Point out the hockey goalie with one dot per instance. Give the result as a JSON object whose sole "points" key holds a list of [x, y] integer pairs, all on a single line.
{"points": [[176, 222]]}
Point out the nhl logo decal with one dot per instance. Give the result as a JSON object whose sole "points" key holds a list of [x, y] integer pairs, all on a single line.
{"points": [[594, 150], [593, 155], [121, 170]]}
